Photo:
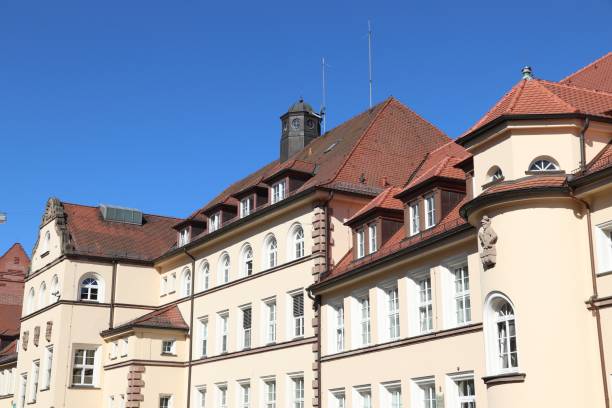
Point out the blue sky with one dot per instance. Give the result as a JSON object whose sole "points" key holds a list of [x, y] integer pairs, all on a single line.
{"points": [[158, 105]]}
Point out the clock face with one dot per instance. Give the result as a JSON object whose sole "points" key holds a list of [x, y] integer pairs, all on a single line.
{"points": [[295, 123], [310, 123]]}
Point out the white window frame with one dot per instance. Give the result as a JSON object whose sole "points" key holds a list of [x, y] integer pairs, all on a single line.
{"points": [[205, 275], [415, 218], [296, 323], [23, 390], [246, 260], [89, 287], [247, 205], [388, 394], [391, 310], [42, 295], [214, 222], [169, 347], [278, 191], [84, 366], [603, 240], [337, 398], [168, 397], [245, 393], [201, 396], [362, 326], [337, 319], [453, 391], [203, 322], [492, 318], [424, 392], [543, 164], [223, 330], [270, 320], [362, 396], [183, 237], [271, 251], [297, 246], [269, 392], [55, 289], [123, 347], [35, 375], [360, 243], [245, 334], [186, 277], [461, 289], [222, 395], [425, 303], [373, 238], [430, 210], [225, 266], [297, 387]]}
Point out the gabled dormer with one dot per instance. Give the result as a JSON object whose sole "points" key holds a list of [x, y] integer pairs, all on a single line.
{"points": [[288, 178], [188, 229], [251, 198], [435, 189], [220, 213], [376, 222]]}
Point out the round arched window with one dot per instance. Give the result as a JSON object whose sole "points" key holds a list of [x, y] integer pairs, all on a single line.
{"points": [[543, 165]]}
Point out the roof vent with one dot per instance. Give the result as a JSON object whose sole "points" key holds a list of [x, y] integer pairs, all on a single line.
{"points": [[527, 73], [121, 214]]}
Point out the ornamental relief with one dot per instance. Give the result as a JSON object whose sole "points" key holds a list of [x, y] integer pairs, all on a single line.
{"points": [[487, 238]]}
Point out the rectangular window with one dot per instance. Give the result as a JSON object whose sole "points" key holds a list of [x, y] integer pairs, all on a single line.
{"points": [[48, 366], [424, 395], [339, 320], [222, 396], [23, 386], [246, 206], [363, 396], [425, 306], [466, 397], [223, 331], [462, 295], [122, 401], [164, 285], [165, 401], [393, 314], [360, 243], [415, 220], [83, 367], [184, 237], [297, 392], [298, 315], [278, 191], [34, 385], [392, 394], [123, 347], [214, 222], [372, 231], [270, 393], [366, 327], [168, 347], [245, 395], [271, 321], [204, 337], [430, 211], [246, 327], [338, 399], [201, 397], [603, 235]]}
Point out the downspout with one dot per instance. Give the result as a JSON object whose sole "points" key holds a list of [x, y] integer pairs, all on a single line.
{"points": [[191, 301], [592, 299], [111, 320], [587, 122]]}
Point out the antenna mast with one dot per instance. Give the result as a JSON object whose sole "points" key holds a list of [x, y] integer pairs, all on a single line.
{"points": [[324, 95], [370, 59]]}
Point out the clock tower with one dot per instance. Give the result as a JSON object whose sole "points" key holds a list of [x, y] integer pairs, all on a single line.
{"points": [[300, 126]]}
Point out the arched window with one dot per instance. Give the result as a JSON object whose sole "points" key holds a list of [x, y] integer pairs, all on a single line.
{"points": [[296, 242], [55, 289], [224, 269], [495, 174], [543, 164], [31, 300], [271, 251], [91, 288], [205, 275], [246, 261], [501, 335], [42, 295], [186, 282], [46, 243]]}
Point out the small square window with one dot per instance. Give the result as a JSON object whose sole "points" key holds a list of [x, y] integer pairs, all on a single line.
{"points": [[168, 347], [247, 205]]}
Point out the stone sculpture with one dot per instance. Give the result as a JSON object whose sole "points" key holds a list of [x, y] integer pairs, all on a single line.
{"points": [[487, 239]]}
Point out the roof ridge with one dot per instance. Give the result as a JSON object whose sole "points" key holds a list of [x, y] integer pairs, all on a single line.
{"points": [[586, 67], [98, 206], [555, 96], [598, 155], [516, 96], [576, 87], [384, 104]]}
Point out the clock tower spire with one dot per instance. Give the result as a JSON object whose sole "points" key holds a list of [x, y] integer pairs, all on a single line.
{"points": [[300, 126]]}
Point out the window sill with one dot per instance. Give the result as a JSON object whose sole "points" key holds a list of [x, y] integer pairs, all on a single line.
{"points": [[506, 378], [544, 172], [44, 389], [492, 183], [604, 272], [169, 354], [83, 387], [44, 254]]}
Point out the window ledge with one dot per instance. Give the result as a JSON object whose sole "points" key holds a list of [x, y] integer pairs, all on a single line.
{"points": [[169, 354], [44, 254], [544, 172], [492, 182], [44, 389], [506, 378], [83, 387]]}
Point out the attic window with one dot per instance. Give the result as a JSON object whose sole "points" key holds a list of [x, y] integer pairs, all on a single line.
{"points": [[214, 222], [121, 214], [278, 191], [330, 147], [184, 237]]}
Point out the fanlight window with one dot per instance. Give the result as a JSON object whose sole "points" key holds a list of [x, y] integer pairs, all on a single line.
{"points": [[543, 165], [186, 284], [224, 269], [247, 261], [298, 242], [205, 272], [271, 252], [90, 288]]}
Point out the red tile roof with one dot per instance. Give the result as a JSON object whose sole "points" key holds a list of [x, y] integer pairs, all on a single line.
{"points": [[597, 75], [92, 235], [527, 183], [9, 320], [168, 317], [397, 242], [385, 200], [9, 353], [386, 142], [602, 161], [13, 267], [537, 96]]}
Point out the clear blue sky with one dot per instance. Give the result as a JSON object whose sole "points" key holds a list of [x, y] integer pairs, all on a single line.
{"points": [[159, 104]]}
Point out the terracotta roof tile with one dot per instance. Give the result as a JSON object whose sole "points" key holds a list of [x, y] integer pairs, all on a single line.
{"points": [[9, 319], [597, 75], [385, 200], [9, 353], [92, 235], [602, 161], [526, 183], [168, 317]]}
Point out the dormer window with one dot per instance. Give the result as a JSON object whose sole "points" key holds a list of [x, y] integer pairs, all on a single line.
{"points": [[541, 165], [360, 243], [214, 222], [184, 237], [430, 211], [247, 205], [373, 236], [278, 191], [415, 219]]}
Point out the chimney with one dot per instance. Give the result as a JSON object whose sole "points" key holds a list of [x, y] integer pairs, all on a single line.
{"points": [[300, 126]]}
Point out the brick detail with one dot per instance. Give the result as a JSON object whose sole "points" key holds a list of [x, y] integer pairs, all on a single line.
{"points": [[132, 404], [135, 386]]}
